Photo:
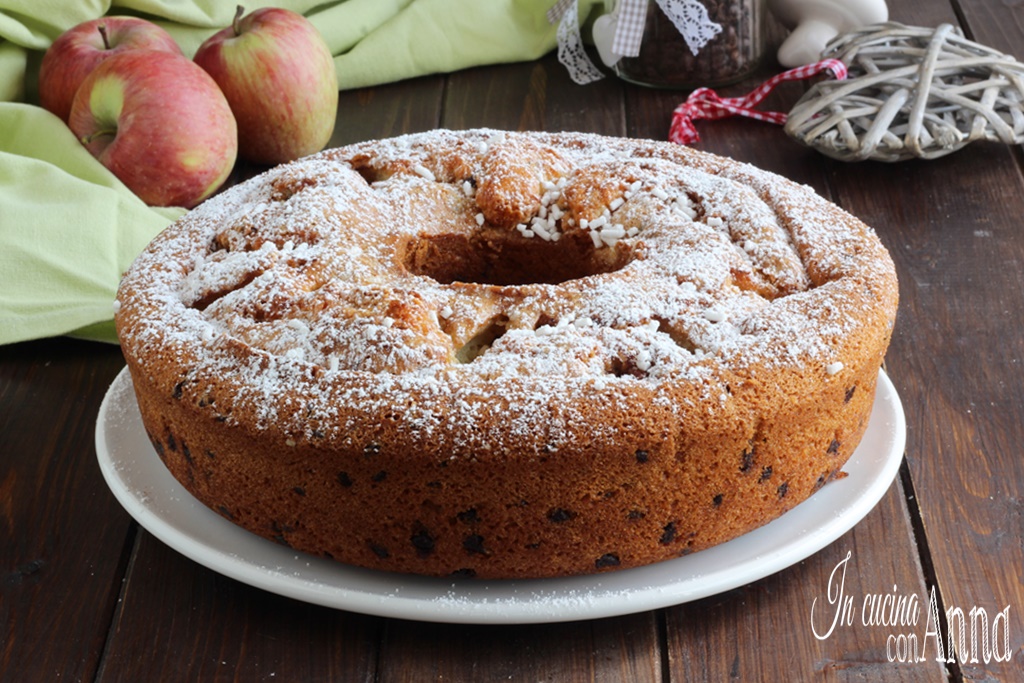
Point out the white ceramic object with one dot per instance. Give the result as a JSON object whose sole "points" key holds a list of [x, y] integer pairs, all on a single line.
{"points": [[604, 37], [149, 493], [813, 23]]}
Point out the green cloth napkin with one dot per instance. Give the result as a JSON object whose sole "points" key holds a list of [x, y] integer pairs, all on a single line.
{"points": [[69, 228]]}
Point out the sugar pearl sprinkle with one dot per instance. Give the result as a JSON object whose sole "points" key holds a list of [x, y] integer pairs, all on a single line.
{"points": [[691, 270]]}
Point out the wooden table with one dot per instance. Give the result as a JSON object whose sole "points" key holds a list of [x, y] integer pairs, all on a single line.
{"points": [[86, 594]]}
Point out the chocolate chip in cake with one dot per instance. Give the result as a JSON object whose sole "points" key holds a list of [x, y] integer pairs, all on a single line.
{"points": [[299, 491], [607, 560], [747, 459], [766, 474], [642, 456], [380, 476], [279, 532], [176, 393], [186, 452], [344, 479], [210, 454], [464, 573], [717, 500], [225, 512], [849, 394], [635, 514], [281, 528], [821, 482], [474, 543], [158, 445], [833, 448], [469, 516], [559, 515], [783, 489], [172, 443], [668, 533], [423, 541], [380, 551]]}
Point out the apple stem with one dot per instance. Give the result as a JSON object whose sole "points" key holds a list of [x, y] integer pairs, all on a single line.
{"points": [[236, 22], [87, 139], [102, 28]]}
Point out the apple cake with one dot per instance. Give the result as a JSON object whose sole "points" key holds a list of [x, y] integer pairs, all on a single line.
{"points": [[507, 355]]}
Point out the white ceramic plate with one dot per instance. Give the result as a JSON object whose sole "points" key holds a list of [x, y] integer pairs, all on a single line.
{"points": [[155, 499]]}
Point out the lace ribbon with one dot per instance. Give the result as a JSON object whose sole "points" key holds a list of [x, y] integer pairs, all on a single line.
{"points": [[692, 21], [705, 103], [571, 53], [690, 18]]}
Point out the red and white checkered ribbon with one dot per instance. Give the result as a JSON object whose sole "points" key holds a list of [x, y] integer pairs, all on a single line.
{"points": [[705, 103]]}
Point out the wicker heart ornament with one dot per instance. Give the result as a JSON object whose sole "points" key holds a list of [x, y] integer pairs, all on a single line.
{"points": [[911, 92]]}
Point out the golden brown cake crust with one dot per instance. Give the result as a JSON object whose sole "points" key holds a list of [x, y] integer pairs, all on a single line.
{"points": [[508, 354]]}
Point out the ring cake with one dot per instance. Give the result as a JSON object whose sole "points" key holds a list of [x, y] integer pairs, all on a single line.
{"points": [[507, 355]]}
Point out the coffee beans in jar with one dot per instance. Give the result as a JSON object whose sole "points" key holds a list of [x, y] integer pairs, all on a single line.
{"points": [[666, 61]]}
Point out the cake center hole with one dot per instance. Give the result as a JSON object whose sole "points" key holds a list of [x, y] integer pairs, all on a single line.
{"points": [[502, 260]]}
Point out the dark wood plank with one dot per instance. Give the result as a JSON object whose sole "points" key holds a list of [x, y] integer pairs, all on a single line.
{"points": [[955, 359], [62, 534], [179, 622], [999, 25], [394, 109], [950, 225], [765, 631], [532, 96], [611, 650]]}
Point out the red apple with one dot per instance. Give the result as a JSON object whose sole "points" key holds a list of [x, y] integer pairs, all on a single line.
{"points": [[160, 124], [278, 76], [81, 49]]}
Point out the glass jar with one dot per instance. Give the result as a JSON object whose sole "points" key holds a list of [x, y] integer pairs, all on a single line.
{"points": [[665, 60]]}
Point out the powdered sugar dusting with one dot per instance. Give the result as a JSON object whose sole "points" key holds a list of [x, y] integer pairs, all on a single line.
{"points": [[312, 286]]}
